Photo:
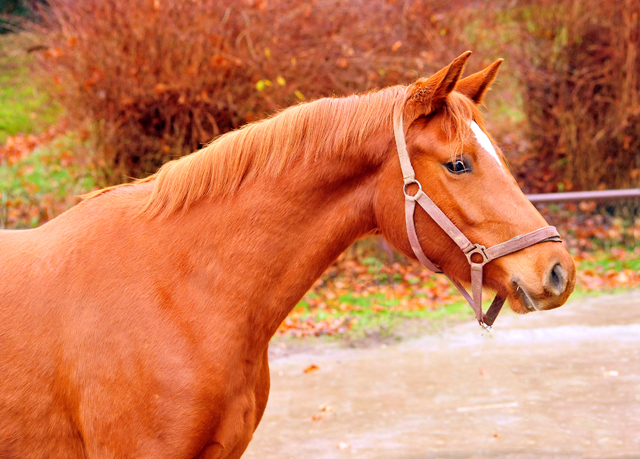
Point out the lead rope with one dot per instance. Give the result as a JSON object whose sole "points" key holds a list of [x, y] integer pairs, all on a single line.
{"points": [[546, 234]]}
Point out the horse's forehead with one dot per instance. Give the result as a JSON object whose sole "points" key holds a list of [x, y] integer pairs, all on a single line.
{"points": [[484, 142]]}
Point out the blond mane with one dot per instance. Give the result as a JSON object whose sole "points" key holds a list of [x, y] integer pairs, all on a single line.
{"points": [[306, 132]]}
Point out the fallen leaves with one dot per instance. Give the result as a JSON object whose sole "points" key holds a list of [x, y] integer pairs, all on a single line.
{"points": [[588, 228], [351, 288], [299, 325], [616, 269], [21, 145], [325, 410], [311, 368], [42, 176]]}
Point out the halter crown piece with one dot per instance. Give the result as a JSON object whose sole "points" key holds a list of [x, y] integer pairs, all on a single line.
{"points": [[546, 234]]}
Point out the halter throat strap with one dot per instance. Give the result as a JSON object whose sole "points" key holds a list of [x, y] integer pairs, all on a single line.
{"points": [[477, 255]]}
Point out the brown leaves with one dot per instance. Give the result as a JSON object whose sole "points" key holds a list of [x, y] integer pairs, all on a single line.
{"points": [[351, 288], [160, 88], [21, 145], [588, 227], [619, 270], [342, 63], [324, 411], [43, 177], [297, 325], [157, 57]]}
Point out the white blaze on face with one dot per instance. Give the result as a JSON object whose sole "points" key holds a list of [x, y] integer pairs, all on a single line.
{"points": [[484, 141]]}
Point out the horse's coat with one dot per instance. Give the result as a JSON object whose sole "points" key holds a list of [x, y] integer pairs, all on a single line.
{"points": [[137, 324]]}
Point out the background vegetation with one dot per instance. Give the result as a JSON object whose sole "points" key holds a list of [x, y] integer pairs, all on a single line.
{"points": [[581, 75], [158, 78]]}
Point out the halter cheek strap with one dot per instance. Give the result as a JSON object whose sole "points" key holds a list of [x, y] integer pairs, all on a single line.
{"points": [[482, 254]]}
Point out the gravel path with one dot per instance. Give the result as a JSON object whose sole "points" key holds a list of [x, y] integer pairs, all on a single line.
{"points": [[556, 384]]}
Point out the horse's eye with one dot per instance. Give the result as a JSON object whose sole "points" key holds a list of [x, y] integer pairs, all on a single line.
{"points": [[458, 167]]}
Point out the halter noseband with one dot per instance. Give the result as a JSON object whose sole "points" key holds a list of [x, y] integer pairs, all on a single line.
{"points": [[546, 234]]}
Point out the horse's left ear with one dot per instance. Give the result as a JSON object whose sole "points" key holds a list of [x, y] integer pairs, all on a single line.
{"points": [[475, 86], [425, 96]]}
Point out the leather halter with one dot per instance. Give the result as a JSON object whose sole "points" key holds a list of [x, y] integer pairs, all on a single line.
{"points": [[546, 234]]}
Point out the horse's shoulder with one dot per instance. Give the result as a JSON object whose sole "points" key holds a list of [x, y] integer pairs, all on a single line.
{"points": [[12, 239]]}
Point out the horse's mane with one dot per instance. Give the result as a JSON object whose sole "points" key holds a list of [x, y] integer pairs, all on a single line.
{"points": [[305, 132]]}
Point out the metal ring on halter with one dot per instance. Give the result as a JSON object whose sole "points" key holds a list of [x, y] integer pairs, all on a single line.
{"points": [[411, 182], [480, 250]]}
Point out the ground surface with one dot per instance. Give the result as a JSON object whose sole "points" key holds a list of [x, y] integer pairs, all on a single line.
{"points": [[558, 384]]}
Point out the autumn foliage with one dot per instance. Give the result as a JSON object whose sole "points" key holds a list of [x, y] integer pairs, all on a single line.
{"points": [[158, 78], [580, 65]]}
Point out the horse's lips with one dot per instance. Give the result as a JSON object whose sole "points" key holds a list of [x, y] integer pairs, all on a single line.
{"points": [[524, 296]]}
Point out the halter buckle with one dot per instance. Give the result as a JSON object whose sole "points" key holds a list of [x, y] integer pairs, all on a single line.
{"points": [[411, 181], [480, 250]]}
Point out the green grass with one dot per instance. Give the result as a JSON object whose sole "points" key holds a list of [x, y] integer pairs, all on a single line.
{"points": [[604, 261], [375, 310], [389, 323], [373, 315], [24, 106], [50, 169]]}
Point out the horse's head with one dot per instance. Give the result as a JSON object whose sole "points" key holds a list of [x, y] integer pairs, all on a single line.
{"points": [[462, 170]]}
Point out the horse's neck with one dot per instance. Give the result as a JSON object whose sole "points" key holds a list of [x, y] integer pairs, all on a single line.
{"points": [[266, 244]]}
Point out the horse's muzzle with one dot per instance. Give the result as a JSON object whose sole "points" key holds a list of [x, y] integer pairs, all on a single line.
{"points": [[556, 285]]}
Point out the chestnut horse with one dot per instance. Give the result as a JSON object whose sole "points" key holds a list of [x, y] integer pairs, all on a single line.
{"points": [[136, 324]]}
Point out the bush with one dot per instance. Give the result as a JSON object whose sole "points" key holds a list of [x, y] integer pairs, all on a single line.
{"points": [[581, 71], [157, 78], [11, 11]]}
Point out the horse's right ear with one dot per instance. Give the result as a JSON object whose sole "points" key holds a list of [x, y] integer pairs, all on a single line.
{"points": [[425, 96], [475, 86]]}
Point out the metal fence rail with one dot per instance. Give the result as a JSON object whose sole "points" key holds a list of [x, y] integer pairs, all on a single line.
{"points": [[544, 198]]}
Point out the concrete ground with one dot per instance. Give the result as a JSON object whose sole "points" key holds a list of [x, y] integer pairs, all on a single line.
{"points": [[555, 384]]}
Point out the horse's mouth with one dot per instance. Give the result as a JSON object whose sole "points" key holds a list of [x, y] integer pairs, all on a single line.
{"points": [[521, 296]]}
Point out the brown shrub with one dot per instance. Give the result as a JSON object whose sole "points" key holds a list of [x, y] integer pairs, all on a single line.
{"points": [[157, 78], [581, 71]]}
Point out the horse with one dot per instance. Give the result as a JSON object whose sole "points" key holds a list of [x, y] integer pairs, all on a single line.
{"points": [[137, 323]]}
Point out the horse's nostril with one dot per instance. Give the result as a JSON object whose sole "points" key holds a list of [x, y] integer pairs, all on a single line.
{"points": [[555, 281]]}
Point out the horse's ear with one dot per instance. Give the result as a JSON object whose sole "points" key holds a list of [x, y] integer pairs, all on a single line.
{"points": [[428, 95], [475, 86]]}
